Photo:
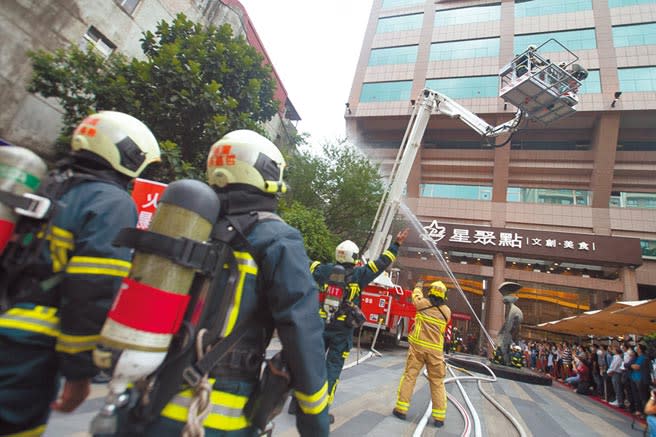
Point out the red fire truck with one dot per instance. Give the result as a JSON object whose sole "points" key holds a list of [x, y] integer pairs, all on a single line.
{"points": [[389, 306]]}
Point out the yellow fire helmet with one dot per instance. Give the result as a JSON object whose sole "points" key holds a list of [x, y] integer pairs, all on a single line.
{"points": [[121, 140], [246, 157], [437, 289]]}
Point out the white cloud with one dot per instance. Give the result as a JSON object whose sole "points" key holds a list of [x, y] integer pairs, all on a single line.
{"points": [[314, 47]]}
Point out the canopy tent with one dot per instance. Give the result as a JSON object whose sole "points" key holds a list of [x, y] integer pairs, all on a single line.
{"points": [[619, 318]]}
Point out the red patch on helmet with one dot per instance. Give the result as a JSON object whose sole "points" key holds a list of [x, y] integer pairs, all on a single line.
{"points": [[221, 156]]}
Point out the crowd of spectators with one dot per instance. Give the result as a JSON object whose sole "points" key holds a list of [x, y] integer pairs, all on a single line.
{"points": [[620, 372]]}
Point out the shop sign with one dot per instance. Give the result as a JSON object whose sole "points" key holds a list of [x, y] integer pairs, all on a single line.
{"points": [[577, 248]]}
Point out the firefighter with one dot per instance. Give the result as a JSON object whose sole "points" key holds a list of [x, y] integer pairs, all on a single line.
{"points": [[426, 349], [338, 335], [61, 274], [275, 292], [516, 356]]}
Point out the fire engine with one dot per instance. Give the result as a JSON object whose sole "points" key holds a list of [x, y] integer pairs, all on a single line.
{"points": [[543, 91]]}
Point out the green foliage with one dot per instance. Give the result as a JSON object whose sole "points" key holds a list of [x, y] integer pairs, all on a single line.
{"points": [[342, 184], [195, 84], [319, 242], [650, 342]]}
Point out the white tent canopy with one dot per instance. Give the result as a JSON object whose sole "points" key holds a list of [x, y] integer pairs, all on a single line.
{"points": [[619, 318]]}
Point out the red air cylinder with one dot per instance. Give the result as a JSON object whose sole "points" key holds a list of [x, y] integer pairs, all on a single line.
{"points": [[21, 171]]}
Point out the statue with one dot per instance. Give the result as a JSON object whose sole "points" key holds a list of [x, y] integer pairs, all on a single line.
{"points": [[509, 333]]}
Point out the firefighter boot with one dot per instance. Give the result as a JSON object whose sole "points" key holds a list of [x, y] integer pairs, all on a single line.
{"points": [[438, 423], [399, 414]]}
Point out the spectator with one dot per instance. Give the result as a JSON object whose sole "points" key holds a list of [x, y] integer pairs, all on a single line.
{"points": [[533, 356], [580, 381], [558, 363], [629, 359], [640, 379], [567, 360], [595, 369], [604, 364], [615, 371]]}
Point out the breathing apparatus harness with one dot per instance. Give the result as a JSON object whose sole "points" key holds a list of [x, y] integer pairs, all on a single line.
{"points": [[198, 347], [339, 293], [24, 275]]}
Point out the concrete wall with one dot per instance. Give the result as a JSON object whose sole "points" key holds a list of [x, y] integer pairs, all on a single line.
{"points": [[34, 122]]}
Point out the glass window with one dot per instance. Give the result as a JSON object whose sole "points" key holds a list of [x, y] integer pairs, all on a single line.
{"points": [[634, 35], [99, 42], [466, 87], [386, 91], [620, 3], [633, 200], [473, 48], [442, 143], [548, 195], [474, 14], [637, 79], [648, 248], [548, 145], [400, 23], [390, 4], [574, 40], [393, 55], [592, 84], [536, 8], [469, 192], [128, 5], [637, 146]]}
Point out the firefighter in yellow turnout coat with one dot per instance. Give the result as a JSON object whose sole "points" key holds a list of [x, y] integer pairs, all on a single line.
{"points": [[426, 349]]}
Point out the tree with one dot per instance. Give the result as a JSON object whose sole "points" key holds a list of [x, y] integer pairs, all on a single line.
{"points": [[195, 84], [319, 241], [342, 184]]}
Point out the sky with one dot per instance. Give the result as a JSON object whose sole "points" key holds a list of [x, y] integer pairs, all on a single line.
{"points": [[314, 47]]}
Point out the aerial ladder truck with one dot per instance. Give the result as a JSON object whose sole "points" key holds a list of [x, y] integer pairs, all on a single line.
{"points": [[541, 90]]}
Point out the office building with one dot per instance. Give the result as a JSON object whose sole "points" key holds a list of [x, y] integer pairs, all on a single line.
{"points": [[568, 208]]}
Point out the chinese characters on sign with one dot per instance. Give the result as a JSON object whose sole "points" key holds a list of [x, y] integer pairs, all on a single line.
{"points": [[146, 195], [583, 247], [501, 239]]}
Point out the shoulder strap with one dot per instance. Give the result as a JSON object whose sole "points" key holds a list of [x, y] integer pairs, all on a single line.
{"points": [[446, 319], [243, 224]]}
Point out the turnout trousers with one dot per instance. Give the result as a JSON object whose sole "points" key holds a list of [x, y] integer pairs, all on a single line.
{"points": [[338, 343], [28, 383], [419, 357]]}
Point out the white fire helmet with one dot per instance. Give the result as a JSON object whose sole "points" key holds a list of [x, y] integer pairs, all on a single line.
{"points": [[347, 252], [246, 157], [121, 140]]}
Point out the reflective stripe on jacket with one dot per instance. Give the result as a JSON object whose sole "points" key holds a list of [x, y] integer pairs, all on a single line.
{"points": [[225, 409], [430, 323], [360, 276], [86, 273]]}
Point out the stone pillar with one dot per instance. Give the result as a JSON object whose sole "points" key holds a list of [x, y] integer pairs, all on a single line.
{"points": [[629, 283], [494, 300], [501, 170]]}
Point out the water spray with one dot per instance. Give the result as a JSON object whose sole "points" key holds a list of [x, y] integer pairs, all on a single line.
{"points": [[416, 224]]}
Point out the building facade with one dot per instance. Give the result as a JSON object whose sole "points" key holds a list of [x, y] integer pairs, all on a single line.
{"points": [[566, 209], [34, 122]]}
